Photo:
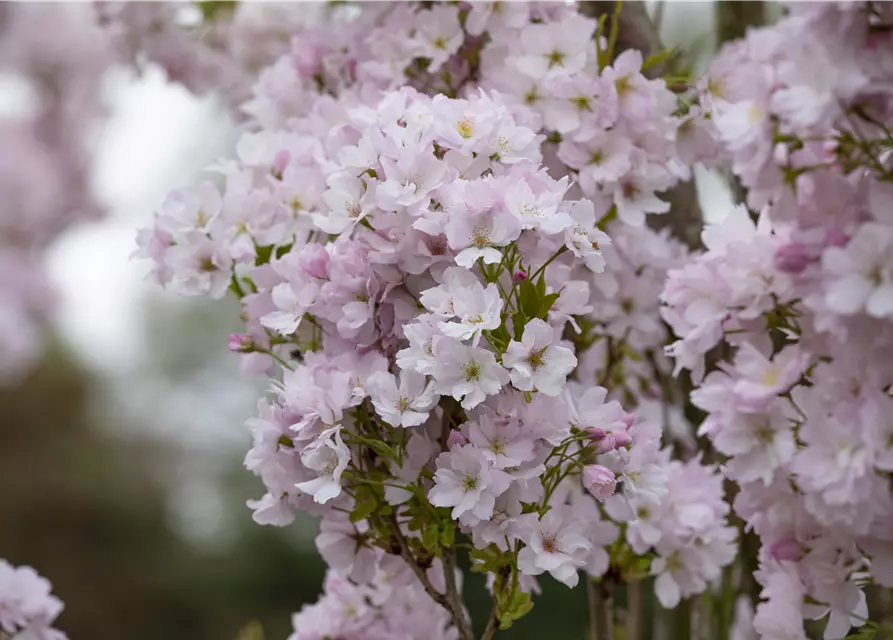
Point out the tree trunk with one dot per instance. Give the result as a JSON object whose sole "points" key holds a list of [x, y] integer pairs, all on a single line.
{"points": [[636, 31], [733, 18]]}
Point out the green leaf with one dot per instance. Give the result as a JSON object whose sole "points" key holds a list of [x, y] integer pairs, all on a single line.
{"points": [[448, 534], [519, 320], [264, 254], [541, 286], [517, 605], [546, 305], [489, 560], [362, 511], [528, 297], [211, 9], [607, 218], [659, 58], [379, 447], [235, 288], [366, 503], [430, 536], [500, 336]]}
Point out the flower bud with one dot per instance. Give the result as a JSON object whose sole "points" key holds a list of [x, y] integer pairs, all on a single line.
{"points": [[314, 260], [519, 277], [281, 161], [599, 481], [240, 343], [836, 238], [621, 438], [786, 549], [456, 439], [596, 434], [791, 258], [605, 445]]}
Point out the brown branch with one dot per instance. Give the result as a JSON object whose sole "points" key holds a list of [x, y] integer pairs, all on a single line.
{"points": [[406, 554], [452, 601], [636, 31], [492, 624], [453, 597]]}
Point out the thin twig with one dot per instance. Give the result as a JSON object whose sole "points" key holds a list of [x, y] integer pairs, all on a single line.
{"points": [[407, 556], [492, 624], [453, 598]]}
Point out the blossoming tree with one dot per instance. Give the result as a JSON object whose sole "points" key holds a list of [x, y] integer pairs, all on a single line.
{"points": [[437, 226]]}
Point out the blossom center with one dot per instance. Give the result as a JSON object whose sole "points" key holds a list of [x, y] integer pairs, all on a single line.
{"points": [[581, 102], [532, 97], [472, 371], [480, 237], [537, 358], [550, 544], [353, 209], [555, 58], [755, 114], [465, 127], [622, 84], [764, 432]]}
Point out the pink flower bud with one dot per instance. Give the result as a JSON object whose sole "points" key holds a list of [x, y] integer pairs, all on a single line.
{"points": [[520, 276], [456, 439], [621, 438], [606, 444], [836, 238], [314, 260], [628, 419], [240, 343], [596, 434], [786, 549], [791, 258], [281, 161], [599, 481]]}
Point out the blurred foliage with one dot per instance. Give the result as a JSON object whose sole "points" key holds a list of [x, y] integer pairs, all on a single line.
{"points": [[81, 506]]}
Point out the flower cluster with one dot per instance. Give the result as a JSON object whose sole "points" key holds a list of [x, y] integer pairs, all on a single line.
{"points": [[802, 301], [413, 273], [206, 46], [44, 160], [449, 324], [27, 609], [392, 606]]}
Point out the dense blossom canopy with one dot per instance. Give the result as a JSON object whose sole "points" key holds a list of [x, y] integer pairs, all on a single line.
{"points": [[438, 223]]}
